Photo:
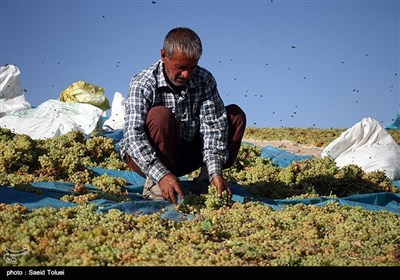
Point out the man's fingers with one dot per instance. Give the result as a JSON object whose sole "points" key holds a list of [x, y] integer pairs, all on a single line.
{"points": [[177, 190], [180, 193], [171, 187], [229, 194], [222, 188], [172, 198], [164, 193], [228, 189], [219, 193]]}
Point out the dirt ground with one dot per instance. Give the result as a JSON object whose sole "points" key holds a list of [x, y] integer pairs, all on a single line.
{"points": [[290, 147]]}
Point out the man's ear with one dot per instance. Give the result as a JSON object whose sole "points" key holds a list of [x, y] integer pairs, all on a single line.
{"points": [[163, 54]]}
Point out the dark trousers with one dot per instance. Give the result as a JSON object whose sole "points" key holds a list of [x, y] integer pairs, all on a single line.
{"points": [[182, 157]]}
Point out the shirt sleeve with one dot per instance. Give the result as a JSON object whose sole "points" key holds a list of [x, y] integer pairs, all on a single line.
{"points": [[138, 147], [214, 129]]}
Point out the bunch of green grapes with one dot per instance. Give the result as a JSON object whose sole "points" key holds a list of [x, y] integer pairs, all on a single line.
{"points": [[18, 157], [101, 152], [84, 176], [19, 177], [6, 134], [81, 198], [112, 187], [212, 201], [251, 170], [247, 155], [99, 148], [63, 157], [380, 181], [314, 176], [17, 153], [358, 181], [261, 170], [192, 203], [64, 141]]}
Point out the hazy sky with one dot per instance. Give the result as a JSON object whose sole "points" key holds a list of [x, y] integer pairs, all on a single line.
{"points": [[286, 63]]}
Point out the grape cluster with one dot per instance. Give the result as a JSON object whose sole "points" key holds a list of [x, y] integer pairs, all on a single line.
{"points": [[193, 203], [112, 188]]}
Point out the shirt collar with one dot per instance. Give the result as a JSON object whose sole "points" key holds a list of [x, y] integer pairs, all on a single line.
{"points": [[162, 81]]}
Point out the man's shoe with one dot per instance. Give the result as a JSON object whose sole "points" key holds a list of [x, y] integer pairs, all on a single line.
{"points": [[201, 183], [152, 190]]}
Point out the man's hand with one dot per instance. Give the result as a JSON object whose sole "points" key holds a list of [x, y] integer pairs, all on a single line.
{"points": [[221, 185], [171, 186]]}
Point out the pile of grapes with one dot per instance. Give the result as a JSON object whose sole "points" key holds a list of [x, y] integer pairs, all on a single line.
{"points": [[306, 178], [62, 159], [222, 232], [243, 234]]}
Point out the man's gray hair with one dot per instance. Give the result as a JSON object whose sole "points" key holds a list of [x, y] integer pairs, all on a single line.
{"points": [[185, 40]]}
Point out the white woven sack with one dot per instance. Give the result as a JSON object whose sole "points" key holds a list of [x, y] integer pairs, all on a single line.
{"points": [[368, 145]]}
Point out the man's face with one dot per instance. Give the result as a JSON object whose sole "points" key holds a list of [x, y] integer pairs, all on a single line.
{"points": [[178, 68]]}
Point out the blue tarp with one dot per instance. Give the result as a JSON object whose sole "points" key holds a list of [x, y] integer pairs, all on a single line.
{"points": [[52, 191], [395, 124], [281, 157]]}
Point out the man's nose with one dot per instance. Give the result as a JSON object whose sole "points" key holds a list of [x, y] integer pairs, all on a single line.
{"points": [[186, 73]]}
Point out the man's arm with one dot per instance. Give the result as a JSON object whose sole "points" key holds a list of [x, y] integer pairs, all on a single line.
{"points": [[214, 129], [138, 147]]}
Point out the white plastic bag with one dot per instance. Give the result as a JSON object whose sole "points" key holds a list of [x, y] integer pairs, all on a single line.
{"points": [[116, 120], [368, 145], [53, 118], [12, 96]]}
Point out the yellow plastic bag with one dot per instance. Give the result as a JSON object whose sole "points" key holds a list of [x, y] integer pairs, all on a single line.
{"points": [[83, 92]]}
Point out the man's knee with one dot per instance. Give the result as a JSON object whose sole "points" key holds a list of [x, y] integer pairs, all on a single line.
{"points": [[236, 120], [235, 110], [236, 115], [237, 125], [159, 115]]}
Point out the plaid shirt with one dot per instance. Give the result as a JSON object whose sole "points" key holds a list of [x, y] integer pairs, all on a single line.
{"points": [[199, 108]]}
